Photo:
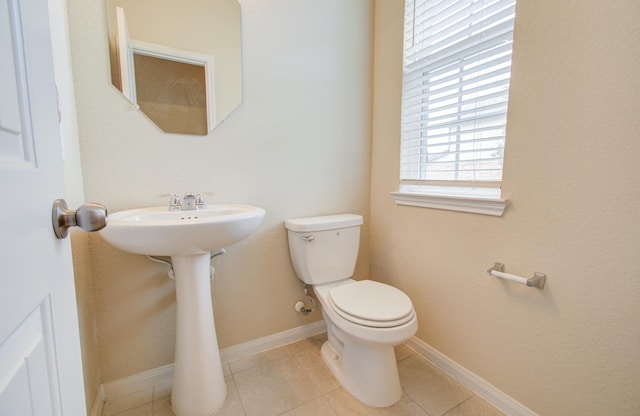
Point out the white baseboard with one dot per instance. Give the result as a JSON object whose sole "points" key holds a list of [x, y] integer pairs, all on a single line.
{"points": [[479, 386], [153, 377], [272, 341], [141, 381]]}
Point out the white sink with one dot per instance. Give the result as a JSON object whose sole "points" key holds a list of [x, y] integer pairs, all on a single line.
{"points": [[188, 236], [160, 232]]}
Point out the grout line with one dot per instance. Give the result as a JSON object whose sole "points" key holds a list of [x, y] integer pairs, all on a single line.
{"points": [[233, 378]]}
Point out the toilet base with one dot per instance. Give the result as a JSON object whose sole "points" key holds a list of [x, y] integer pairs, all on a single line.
{"points": [[369, 373]]}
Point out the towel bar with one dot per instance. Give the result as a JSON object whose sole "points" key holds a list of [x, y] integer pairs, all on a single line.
{"points": [[538, 280]]}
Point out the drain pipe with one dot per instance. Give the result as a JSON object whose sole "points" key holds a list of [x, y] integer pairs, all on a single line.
{"points": [[172, 275]]}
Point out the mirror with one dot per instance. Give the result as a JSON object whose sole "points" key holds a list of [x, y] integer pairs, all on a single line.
{"points": [[179, 62]]}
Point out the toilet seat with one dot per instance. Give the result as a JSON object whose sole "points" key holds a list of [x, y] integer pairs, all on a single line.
{"points": [[371, 304]]}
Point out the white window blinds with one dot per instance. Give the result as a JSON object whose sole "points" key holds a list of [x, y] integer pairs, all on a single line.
{"points": [[457, 62]]}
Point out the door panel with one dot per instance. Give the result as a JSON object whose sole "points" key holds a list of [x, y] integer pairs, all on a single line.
{"points": [[25, 390], [36, 268]]}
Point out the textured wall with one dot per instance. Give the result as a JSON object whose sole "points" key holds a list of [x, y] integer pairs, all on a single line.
{"points": [[299, 145], [572, 177]]}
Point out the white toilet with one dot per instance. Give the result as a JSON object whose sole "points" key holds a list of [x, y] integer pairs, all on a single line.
{"points": [[365, 319]]}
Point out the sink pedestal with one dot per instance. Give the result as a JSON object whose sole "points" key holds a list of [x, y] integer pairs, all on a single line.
{"points": [[188, 236], [198, 382]]}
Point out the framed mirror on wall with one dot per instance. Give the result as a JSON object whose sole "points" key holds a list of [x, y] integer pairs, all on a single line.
{"points": [[180, 62]]}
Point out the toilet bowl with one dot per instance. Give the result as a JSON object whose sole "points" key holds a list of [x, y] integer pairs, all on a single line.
{"points": [[361, 357], [365, 319]]}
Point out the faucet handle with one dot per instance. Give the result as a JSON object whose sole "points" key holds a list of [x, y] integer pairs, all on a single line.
{"points": [[174, 202], [200, 204]]}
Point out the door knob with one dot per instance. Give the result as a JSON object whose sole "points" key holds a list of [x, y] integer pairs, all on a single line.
{"points": [[89, 217]]}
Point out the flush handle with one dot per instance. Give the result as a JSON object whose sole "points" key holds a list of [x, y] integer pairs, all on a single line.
{"points": [[89, 217], [308, 238]]}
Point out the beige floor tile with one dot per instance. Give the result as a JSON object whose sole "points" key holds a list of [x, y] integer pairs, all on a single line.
{"points": [[402, 352], [429, 386], [475, 406], [232, 404], [231, 411], [144, 410], [311, 361], [128, 401], [317, 407], [405, 407], [344, 404], [245, 363], [233, 399], [162, 407], [274, 387], [314, 342]]}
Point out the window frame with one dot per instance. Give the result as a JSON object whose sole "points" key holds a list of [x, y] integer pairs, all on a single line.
{"points": [[482, 197]]}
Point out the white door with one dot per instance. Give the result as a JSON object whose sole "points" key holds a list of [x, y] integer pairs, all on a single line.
{"points": [[40, 363]]}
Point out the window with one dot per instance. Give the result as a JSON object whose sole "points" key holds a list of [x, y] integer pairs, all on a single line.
{"points": [[455, 89]]}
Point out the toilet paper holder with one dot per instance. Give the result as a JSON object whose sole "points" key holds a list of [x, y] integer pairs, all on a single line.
{"points": [[538, 280]]}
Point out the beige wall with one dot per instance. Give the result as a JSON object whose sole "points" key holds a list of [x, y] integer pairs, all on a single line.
{"points": [[86, 314], [571, 173], [299, 145]]}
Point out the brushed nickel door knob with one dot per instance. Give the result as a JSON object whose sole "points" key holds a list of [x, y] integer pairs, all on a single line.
{"points": [[89, 217]]}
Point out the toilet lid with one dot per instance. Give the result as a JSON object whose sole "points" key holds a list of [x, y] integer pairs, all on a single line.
{"points": [[372, 303]]}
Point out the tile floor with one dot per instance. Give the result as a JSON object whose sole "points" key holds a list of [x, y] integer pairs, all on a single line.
{"points": [[294, 381]]}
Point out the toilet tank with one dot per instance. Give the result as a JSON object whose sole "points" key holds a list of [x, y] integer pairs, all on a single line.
{"points": [[324, 249]]}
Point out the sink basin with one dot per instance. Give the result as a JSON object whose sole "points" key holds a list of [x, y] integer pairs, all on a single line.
{"points": [[160, 232]]}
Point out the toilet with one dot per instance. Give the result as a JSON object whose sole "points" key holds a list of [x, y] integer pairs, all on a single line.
{"points": [[365, 319]]}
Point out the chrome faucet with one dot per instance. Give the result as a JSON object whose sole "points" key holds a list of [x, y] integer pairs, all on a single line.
{"points": [[189, 202]]}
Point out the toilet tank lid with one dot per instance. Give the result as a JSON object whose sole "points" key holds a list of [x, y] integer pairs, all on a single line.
{"points": [[326, 222]]}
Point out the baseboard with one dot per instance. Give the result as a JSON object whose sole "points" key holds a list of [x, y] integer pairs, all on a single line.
{"points": [[479, 386], [150, 378], [272, 341], [137, 382], [98, 402]]}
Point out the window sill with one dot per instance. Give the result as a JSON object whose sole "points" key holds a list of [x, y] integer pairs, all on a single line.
{"points": [[439, 198]]}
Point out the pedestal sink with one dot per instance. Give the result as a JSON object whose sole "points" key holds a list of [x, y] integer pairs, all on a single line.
{"points": [[188, 237]]}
